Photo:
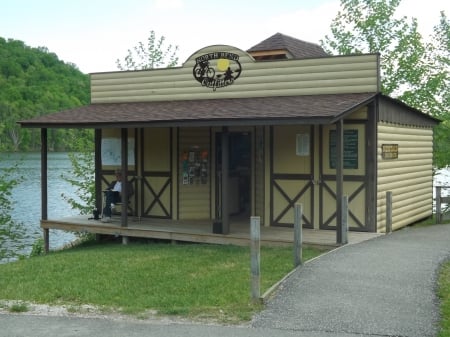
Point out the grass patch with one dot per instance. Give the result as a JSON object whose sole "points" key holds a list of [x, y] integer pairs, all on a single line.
{"points": [[444, 295], [18, 307], [192, 280]]}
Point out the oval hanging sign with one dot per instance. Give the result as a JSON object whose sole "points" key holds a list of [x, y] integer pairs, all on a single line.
{"points": [[217, 70]]}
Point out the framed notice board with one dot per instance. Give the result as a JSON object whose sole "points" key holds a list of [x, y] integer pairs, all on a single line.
{"points": [[112, 153], [350, 149]]}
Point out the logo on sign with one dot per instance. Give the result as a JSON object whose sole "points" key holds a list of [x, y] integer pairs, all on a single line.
{"points": [[217, 70]]}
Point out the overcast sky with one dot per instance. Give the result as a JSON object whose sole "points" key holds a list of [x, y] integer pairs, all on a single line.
{"points": [[93, 33]]}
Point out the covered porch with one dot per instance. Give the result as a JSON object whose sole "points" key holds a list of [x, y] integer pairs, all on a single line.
{"points": [[255, 138], [199, 231]]}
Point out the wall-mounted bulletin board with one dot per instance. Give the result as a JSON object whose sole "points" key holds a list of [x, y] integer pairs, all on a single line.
{"points": [[111, 151]]}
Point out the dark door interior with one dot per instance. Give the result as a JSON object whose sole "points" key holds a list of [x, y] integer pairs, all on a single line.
{"points": [[239, 174]]}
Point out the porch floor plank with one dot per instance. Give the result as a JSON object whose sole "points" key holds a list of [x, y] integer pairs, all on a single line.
{"points": [[199, 231]]}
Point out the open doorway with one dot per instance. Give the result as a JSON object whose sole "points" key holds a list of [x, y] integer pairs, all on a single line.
{"points": [[239, 174]]}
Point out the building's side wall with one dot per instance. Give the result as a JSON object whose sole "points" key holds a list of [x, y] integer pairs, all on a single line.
{"points": [[328, 75], [409, 177], [194, 197]]}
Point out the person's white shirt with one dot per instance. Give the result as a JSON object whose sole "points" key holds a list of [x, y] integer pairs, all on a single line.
{"points": [[117, 187]]}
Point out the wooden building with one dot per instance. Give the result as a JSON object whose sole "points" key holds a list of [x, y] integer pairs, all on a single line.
{"points": [[234, 133]]}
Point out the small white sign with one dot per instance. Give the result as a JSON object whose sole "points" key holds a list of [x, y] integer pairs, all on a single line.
{"points": [[302, 148]]}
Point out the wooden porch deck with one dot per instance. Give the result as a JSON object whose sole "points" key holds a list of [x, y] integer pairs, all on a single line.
{"points": [[198, 231]]}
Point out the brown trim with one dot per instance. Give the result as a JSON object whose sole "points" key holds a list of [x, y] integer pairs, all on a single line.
{"points": [[178, 173], [253, 175], [98, 168], [321, 176], [271, 131], [371, 167], [313, 172], [157, 195], [339, 180], [171, 172], [141, 171], [44, 176], [44, 187]]}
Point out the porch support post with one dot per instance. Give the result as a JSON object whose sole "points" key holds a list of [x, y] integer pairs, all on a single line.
{"points": [[98, 169], [371, 167], [44, 187], [225, 181], [339, 179], [124, 169]]}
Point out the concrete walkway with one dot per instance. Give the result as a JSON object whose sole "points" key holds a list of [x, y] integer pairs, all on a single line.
{"points": [[381, 287]]}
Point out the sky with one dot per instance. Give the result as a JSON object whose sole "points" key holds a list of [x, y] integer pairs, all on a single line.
{"points": [[93, 34]]}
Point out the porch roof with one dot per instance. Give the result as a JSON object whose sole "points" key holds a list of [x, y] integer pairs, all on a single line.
{"points": [[308, 109]]}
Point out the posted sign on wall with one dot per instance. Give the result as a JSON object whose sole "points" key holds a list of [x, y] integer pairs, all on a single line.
{"points": [[389, 151], [350, 149]]}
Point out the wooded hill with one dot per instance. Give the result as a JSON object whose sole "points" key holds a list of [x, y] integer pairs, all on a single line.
{"points": [[33, 82]]}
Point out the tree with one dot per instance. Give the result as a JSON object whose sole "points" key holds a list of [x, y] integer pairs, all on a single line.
{"points": [[82, 175], [438, 83], [412, 70], [35, 82], [11, 232], [150, 56]]}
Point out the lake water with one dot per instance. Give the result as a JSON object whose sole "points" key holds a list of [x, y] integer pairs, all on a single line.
{"points": [[27, 195]]}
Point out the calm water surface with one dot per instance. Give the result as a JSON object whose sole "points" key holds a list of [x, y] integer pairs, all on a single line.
{"points": [[27, 195]]}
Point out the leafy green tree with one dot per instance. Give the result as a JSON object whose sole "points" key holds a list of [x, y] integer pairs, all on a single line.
{"points": [[11, 232], [412, 70], [439, 85], [82, 175], [35, 82], [152, 55]]}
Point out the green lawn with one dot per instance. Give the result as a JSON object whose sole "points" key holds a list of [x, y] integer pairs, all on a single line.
{"points": [[192, 280]]}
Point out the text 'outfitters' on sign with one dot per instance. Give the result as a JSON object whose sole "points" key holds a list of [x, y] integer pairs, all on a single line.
{"points": [[217, 70]]}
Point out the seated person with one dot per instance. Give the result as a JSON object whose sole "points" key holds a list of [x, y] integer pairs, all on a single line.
{"points": [[113, 195]]}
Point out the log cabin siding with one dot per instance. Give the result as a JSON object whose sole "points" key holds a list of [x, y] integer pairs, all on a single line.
{"points": [[328, 75], [409, 177]]}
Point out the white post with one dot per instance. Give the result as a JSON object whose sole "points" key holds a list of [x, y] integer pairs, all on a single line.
{"points": [[344, 220], [298, 214], [388, 212], [255, 243]]}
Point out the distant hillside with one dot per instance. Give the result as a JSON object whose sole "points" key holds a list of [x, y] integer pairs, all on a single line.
{"points": [[34, 82]]}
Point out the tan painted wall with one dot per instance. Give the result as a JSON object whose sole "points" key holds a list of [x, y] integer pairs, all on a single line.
{"points": [[157, 149], [285, 159], [329, 75], [409, 177]]}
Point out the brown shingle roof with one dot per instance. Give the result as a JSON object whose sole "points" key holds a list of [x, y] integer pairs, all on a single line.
{"points": [[298, 48], [320, 109]]}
